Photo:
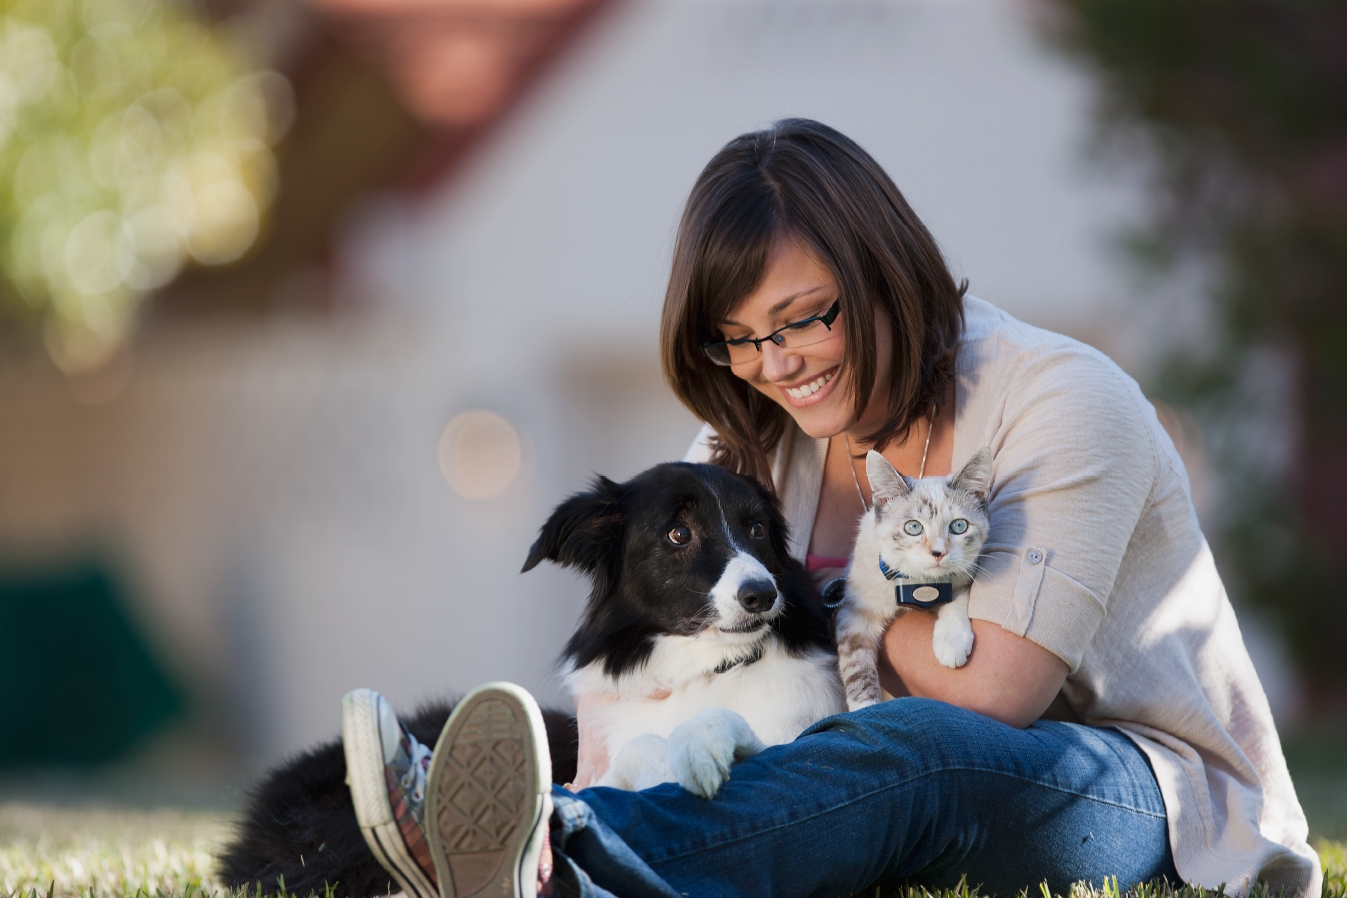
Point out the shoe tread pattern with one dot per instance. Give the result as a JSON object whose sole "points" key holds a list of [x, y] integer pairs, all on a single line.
{"points": [[482, 796]]}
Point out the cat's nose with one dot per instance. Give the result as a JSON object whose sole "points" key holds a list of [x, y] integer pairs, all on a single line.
{"points": [[938, 553]]}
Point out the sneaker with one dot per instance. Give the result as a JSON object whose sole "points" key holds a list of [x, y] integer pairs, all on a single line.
{"points": [[489, 796], [386, 770]]}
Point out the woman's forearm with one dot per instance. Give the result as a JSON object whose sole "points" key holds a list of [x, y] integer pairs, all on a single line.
{"points": [[1007, 678]]}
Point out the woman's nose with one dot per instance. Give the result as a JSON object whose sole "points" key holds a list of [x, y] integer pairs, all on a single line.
{"points": [[778, 364]]}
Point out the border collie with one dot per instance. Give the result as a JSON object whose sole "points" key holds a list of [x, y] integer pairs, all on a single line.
{"points": [[706, 639], [695, 605]]}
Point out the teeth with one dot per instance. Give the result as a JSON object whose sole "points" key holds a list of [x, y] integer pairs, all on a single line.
{"points": [[808, 389]]}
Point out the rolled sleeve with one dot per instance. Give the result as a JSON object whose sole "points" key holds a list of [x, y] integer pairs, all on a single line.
{"points": [[1074, 466]]}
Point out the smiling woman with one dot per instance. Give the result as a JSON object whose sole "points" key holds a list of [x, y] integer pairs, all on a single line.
{"points": [[1108, 721], [784, 249], [1093, 555]]}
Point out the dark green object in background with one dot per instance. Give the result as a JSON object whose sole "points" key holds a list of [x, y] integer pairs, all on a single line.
{"points": [[78, 684]]}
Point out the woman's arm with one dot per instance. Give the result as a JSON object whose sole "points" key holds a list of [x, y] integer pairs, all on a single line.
{"points": [[1007, 678], [1075, 463]]}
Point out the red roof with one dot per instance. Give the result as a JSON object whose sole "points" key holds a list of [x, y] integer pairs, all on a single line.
{"points": [[457, 63]]}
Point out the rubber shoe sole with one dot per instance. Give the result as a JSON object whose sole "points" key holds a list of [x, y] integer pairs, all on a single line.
{"points": [[489, 795], [363, 744]]}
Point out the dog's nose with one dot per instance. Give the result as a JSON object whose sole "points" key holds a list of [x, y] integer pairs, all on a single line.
{"points": [[757, 596]]}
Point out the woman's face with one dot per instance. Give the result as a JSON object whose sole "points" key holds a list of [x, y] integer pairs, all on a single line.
{"points": [[804, 381]]}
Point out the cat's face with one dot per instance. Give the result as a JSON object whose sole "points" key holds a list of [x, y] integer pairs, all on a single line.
{"points": [[932, 528]]}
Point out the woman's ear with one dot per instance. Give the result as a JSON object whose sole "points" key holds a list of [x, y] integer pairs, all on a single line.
{"points": [[885, 481], [976, 476], [583, 530]]}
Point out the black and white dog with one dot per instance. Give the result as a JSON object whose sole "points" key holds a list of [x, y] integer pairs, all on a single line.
{"points": [[702, 641], [700, 628]]}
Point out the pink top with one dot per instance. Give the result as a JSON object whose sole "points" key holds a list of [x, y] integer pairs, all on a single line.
{"points": [[817, 562]]}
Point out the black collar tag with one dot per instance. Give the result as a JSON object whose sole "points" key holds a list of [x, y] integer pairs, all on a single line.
{"points": [[923, 595], [916, 595]]}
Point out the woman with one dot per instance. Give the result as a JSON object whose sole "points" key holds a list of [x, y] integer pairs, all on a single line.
{"points": [[810, 318]]}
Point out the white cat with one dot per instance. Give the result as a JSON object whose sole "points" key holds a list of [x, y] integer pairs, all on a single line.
{"points": [[917, 547]]}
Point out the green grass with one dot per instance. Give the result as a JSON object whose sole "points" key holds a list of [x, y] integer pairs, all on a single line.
{"points": [[102, 853], [113, 852]]}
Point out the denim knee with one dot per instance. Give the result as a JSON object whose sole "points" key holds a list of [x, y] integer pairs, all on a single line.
{"points": [[922, 735]]}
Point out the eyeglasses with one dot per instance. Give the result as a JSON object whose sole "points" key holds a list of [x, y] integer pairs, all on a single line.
{"points": [[795, 335]]}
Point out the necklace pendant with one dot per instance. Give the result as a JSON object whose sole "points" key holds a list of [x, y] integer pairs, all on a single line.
{"points": [[851, 461]]}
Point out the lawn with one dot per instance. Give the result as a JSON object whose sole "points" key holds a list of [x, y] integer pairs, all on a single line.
{"points": [[84, 852]]}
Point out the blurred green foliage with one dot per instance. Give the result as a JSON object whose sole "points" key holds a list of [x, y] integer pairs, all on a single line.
{"points": [[134, 136], [1243, 106], [81, 685]]}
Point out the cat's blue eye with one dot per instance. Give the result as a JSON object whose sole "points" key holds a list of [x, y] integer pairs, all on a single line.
{"points": [[958, 525], [912, 528]]}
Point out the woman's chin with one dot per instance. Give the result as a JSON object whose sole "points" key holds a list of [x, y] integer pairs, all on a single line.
{"points": [[820, 422]]}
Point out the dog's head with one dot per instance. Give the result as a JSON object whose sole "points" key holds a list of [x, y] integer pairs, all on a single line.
{"points": [[682, 550]]}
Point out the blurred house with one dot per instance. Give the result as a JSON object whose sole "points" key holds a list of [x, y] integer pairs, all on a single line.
{"points": [[322, 468]]}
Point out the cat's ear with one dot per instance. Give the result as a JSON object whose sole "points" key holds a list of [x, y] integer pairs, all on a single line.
{"points": [[885, 481], [976, 476]]}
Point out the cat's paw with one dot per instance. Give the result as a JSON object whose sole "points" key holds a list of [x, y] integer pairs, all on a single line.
{"points": [[953, 641], [702, 749], [859, 703]]}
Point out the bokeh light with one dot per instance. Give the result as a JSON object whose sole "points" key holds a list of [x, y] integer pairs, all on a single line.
{"points": [[134, 137], [480, 454]]}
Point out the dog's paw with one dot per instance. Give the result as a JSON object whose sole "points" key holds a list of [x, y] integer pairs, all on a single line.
{"points": [[702, 749], [953, 641], [641, 763]]}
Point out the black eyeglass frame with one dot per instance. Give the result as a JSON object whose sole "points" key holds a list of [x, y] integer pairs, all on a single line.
{"points": [[827, 318]]}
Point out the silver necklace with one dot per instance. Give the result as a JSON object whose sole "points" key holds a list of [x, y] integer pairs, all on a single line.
{"points": [[851, 461]]}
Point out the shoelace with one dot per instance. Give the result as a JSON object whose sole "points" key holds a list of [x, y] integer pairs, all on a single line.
{"points": [[415, 777]]}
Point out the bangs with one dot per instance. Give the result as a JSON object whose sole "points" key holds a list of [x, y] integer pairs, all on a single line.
{"points": [[745, 221]]}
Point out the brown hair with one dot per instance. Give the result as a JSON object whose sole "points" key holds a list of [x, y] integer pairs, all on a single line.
{"points": [[805, 180]]}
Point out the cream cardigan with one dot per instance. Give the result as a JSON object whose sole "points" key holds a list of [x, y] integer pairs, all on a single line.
{"points": [[1124, 590]]}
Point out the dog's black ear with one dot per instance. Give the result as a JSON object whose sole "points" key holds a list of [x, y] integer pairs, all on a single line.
{"points": [[583, 530]]}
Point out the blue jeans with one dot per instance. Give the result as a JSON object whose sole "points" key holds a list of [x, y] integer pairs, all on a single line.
{"points": [[907, 791]]}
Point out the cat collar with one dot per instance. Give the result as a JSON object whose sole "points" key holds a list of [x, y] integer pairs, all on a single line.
{"points": [[917, 595]]}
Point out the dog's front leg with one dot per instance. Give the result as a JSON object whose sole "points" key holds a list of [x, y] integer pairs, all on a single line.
{"points": [[702, 749], [641, 763]]}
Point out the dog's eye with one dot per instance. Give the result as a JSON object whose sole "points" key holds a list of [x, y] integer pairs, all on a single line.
{"points": [[912, 528], [957, 526], [758, 530], [680, 536]]}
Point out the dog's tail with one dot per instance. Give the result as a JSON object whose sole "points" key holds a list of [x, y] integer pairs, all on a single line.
{"points": [[299, 823]]}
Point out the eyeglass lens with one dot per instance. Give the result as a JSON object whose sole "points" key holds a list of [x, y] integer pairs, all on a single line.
{"points": [[793, 336]]}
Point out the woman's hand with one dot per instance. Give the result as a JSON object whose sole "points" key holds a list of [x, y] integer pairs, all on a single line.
{"points": [[593, 749], [1007, 678]]}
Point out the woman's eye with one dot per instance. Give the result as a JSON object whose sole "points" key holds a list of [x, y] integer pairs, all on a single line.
{"points": [[958, 525], [680, 536], [758, 530], [912, 528]]}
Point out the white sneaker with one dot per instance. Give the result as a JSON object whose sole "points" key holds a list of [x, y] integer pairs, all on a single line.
{"points": [[488, 795], [386, 770]]}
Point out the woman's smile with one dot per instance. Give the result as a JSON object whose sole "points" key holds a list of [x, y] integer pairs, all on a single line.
{"points": [[812, 391]]}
